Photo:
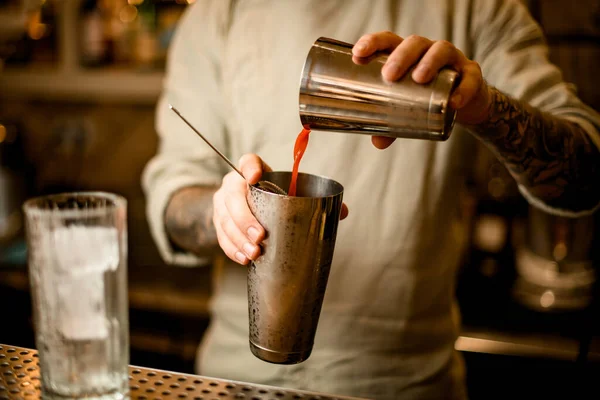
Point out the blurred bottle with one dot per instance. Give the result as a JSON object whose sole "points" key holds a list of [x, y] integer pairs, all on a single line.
{"points": [[93, 44], [122, 31], [35, 40], [146, 44], [168, 15], [43, 31]]}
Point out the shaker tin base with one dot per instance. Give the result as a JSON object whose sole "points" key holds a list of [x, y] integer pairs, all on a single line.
{"points": [[276, 357]]}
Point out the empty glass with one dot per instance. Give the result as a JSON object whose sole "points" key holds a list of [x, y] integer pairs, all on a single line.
{"points": [[77, 249]]}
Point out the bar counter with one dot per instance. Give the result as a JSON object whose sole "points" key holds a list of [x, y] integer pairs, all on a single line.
{"points": [[20, 380]]}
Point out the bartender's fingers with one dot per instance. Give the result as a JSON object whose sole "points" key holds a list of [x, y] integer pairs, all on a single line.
{"points": [[227, 245], [470, 85], [236, 208], [239, 237], [249, 228], [368, 44], [220, 218], [382, 142], [407, 54], [252, 166], [232, 240], [442, 53], [344, 212]]}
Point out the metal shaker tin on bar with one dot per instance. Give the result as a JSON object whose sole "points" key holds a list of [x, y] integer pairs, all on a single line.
{"points": [[337, 94]]}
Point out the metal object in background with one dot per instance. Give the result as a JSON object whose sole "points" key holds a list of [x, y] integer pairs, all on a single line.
{"points": [[555, 268], [77, 262], [20, 379], [337, 94], [286, 285]]}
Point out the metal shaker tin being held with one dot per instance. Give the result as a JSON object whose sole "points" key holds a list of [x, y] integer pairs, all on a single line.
{"points": [[286, 285], [337, 94]]}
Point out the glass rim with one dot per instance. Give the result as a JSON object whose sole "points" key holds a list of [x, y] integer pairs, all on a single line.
{"points": [[32, 206]]}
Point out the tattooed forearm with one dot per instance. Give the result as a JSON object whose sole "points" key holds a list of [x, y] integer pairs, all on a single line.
{"points": [[552, 157], [188, 219]]}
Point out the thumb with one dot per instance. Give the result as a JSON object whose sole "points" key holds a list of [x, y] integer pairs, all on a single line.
{"points": [[252, 167]]}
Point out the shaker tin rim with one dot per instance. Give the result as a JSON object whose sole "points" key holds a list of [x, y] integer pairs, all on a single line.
{"points": [[445, 82], [340, 192]]}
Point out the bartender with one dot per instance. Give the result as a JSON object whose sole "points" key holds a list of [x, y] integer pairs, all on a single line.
{"points": [[390, 318]]}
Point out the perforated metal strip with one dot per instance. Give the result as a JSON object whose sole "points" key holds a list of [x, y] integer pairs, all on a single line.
{"points": [[20, 379]]}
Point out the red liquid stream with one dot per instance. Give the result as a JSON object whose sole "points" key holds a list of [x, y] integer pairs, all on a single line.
{"points": [[299, 148]]}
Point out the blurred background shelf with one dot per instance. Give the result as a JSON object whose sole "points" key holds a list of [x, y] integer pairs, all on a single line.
{"points": [[528, 345], [105, 51], [103, 85]]}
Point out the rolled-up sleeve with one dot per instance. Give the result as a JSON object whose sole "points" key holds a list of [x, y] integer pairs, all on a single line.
{"points": [[513, 54], [192, 86]]}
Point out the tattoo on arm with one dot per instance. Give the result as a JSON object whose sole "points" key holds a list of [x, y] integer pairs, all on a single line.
{"points": [[188, 219], [552, 157]]}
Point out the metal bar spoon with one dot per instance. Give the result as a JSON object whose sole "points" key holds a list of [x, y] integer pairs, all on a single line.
{"points": [[264, 185]]}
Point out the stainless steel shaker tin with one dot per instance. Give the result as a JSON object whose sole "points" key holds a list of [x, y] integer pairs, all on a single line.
{"points": [[286, 285], [337, 94]]}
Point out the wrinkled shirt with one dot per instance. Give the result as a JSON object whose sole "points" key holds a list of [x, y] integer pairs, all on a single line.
{"points": [[390, 318]]}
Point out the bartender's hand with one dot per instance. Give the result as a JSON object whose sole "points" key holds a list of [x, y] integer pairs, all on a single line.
{"points": [[238, 232], [471, 98]]}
